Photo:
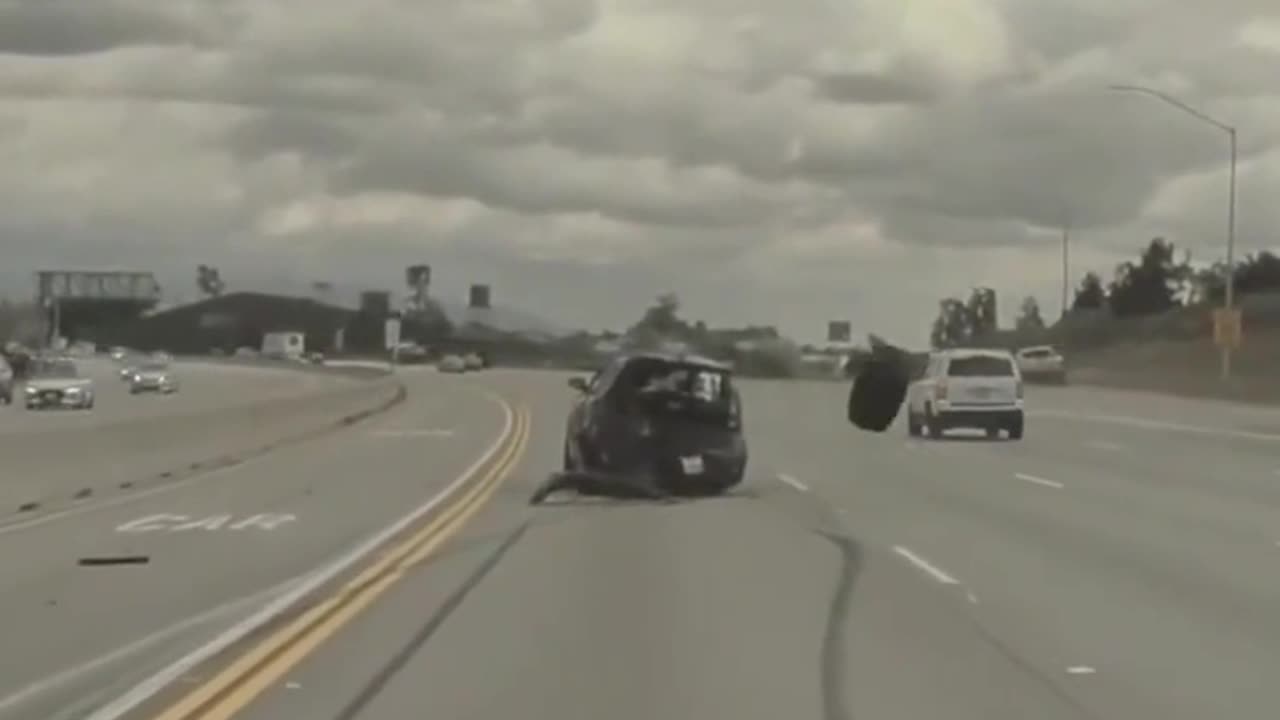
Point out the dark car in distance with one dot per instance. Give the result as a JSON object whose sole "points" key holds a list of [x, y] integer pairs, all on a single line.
{"points": [[676, 418]]}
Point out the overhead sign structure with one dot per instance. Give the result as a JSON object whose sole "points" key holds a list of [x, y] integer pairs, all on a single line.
{"points": [[479, 296], [1228, 327], [839, 331], [391, 333]]}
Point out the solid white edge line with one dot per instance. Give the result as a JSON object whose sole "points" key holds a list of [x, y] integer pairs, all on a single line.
{"points": [[71, 674], [793, 483], [146, 689], [1039, 481], [1148, 424], [929, 568]]}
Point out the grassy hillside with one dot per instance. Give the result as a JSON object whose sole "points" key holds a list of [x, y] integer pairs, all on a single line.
{"points": [[1171, 352]]}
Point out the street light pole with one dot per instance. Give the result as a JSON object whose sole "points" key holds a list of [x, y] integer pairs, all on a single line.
{"points": [[1229, 295], [1228, 300], [1066, 269]]}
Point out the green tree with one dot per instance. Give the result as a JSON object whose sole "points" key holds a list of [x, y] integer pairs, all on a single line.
{"points": [[1153, 284], [953, 326], [209, 281], [983, 318], [1029, 318], [1091, 295]]}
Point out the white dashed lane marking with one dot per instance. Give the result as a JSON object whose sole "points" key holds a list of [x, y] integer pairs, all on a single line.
{"points": [[793, 483], [1042, 482], [925, 566]]}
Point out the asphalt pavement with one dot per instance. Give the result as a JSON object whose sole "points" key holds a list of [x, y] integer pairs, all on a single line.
{"points": [[1119, 562], [54, 459]]}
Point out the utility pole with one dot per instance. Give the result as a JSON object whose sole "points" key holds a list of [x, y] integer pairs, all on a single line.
{"points": [[1066, 269]]}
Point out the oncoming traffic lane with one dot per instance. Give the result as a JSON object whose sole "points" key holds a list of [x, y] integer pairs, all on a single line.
{"points": [[253, 669], [218, 539]]}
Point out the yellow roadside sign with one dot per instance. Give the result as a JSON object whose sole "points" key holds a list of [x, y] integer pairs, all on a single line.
{"points": [[1228, 328]]}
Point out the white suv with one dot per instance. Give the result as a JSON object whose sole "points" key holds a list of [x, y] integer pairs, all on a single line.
{"points": [[980, 389]]}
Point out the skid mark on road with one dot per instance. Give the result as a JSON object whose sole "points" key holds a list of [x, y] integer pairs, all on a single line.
{"points": [[834, 656], [424, 634]]}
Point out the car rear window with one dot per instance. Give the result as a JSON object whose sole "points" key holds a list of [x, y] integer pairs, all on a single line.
{"points": [[679, 390], [1037, 353], [980, 366]]}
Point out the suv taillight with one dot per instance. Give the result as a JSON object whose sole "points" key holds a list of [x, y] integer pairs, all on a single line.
{"points": [[940, 390], [1019, 386]]}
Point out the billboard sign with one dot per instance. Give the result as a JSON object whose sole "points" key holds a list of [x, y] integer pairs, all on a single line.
{"points": [[479, 296], [840, 331]]}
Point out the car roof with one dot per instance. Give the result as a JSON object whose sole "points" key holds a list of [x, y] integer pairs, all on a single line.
{"points": [[689, 359], [974, 352]]}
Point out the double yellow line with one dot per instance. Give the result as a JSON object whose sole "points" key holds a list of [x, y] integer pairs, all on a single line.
{"points": [[262, 667]]}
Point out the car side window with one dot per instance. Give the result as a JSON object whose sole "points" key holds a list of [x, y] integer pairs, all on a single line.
{"points": [[601, 381]]}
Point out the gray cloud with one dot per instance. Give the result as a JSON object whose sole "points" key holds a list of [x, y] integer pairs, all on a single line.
{"points": [[771, 161]]}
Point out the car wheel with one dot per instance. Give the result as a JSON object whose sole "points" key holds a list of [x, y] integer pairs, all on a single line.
{"points": [[913, 425], [933, 424], [1015, 430]]}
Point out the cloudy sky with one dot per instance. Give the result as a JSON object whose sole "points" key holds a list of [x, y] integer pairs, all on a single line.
{"points": [[772, 162]]}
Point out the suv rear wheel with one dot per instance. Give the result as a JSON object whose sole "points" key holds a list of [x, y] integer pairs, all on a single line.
{"points": [[932, 423], [1015, 429]]}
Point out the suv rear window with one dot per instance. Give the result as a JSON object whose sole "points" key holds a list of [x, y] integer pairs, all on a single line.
{"points": [[980, 366]]}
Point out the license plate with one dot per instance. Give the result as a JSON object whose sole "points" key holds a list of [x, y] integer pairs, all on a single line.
{"points": [[692, 465], [982, 392]]}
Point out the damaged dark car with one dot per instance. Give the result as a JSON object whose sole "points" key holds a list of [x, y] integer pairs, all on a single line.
{"points": [[671, 423]]}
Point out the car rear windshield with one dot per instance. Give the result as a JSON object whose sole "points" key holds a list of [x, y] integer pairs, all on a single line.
{"points": [[980, 366], [670, 389], [1041, 353]]}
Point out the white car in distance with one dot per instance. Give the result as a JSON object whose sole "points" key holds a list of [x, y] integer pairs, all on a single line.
{"points": [[1042, 362], [967, 388]]}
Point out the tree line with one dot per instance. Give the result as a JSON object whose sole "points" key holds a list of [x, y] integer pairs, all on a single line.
{"points": [[1157, 281]]}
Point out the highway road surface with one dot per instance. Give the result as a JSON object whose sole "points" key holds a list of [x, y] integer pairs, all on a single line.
{"points": [[1120, 562]]}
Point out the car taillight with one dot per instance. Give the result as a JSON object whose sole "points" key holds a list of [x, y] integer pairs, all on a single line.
{"points": [[643, 427], [940, 390], [1019, 386]]}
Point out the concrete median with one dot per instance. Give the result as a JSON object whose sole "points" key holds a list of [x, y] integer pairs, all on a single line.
{"points": [[48, 471]]}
